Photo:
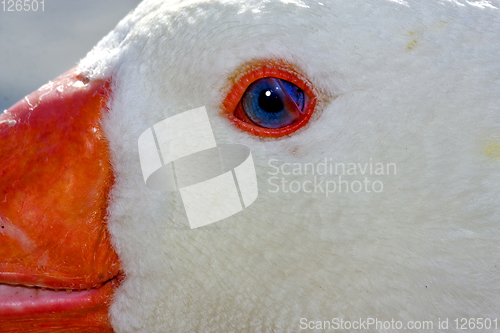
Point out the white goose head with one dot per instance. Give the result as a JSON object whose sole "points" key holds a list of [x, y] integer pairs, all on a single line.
{"points": [[407, 101]]}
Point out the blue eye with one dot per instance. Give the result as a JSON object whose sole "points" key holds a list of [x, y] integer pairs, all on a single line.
{"points": [[269, 99], [273, 103]]}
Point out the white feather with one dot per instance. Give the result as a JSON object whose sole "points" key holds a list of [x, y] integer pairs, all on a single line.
{"points": [[415, 83]]}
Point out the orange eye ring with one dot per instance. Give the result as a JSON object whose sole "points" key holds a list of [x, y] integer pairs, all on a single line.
{"points": [[231, 107]]}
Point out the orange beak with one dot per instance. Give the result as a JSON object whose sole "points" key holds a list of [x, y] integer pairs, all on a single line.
{"points": [[55, 177]]}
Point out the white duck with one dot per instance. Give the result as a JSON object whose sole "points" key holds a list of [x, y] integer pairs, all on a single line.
{"points": [[413, 85]]}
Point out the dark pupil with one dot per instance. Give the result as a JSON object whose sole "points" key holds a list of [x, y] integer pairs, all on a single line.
{"points": [[269, 101]]}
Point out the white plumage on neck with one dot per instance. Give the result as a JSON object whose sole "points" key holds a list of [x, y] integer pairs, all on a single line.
{"points": [[414, 83]]}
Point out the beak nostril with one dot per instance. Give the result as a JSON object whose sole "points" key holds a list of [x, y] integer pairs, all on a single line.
{"points": [[83, 78]]}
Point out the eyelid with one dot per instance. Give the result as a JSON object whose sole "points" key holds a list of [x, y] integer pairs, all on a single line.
{"points": [[262, 69]]}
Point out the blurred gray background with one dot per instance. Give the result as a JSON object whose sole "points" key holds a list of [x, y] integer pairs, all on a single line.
{"points": [[36, 47]]}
